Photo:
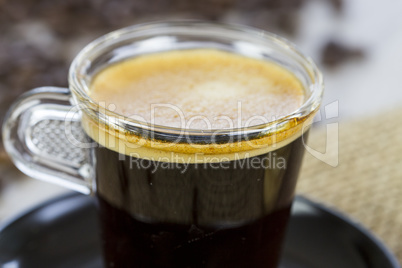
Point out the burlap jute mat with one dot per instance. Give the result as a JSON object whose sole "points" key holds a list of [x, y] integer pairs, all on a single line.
{"points": [[366, 184]]}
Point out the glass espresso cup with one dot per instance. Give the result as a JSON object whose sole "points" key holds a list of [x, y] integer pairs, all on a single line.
{"points": [[170, 197]]}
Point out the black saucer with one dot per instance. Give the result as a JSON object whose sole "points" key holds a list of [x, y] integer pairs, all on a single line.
{"points": [[63, 233]]}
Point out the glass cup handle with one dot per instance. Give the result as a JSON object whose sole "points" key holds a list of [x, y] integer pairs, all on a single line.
{"points": [[37, 134]]}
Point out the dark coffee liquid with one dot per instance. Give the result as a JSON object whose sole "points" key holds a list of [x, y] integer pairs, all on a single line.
{"points": [[195, 215], [169, 213]]}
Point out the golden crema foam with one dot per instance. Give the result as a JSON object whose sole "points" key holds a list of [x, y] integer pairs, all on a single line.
{"points": [[200, 89]]}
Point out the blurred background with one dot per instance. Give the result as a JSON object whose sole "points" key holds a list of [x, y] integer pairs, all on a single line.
{"points": [[356, 43]]}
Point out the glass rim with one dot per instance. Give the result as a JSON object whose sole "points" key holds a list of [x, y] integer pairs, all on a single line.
{"points": [[79, 86]]}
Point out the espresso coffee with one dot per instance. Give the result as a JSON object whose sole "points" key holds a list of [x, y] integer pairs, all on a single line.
{"points": [[198, 89], [198, 215], [196, 202]]}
